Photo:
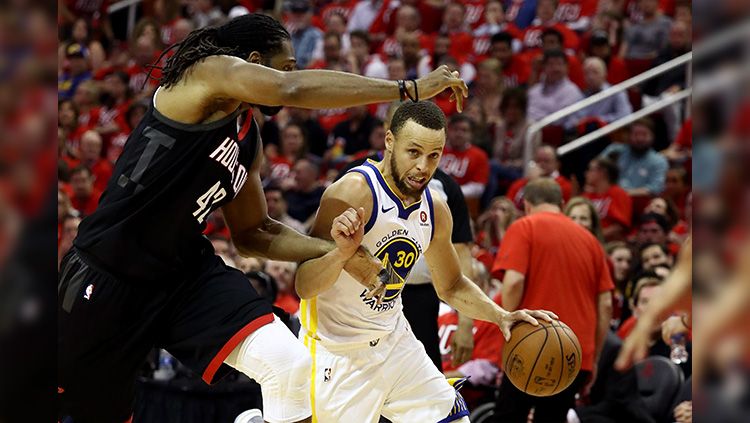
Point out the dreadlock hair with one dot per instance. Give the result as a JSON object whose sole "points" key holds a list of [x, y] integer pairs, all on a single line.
{"points": [[238, 37]]}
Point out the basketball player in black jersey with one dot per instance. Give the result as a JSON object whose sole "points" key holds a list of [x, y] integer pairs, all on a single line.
{"points": [[141, 275]]}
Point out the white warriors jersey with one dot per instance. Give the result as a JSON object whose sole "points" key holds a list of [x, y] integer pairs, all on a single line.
{"points": [[395, 234]]}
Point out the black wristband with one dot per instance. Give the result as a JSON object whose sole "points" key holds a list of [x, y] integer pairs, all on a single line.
{"points": [[416, 93], [402, 89]]}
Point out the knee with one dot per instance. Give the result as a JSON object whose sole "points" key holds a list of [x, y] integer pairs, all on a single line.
{"points": [[296, 375]]}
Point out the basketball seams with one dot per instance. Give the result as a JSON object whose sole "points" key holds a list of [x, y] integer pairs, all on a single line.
{"points": [[539, 354], [520, 341], [575, 344], [562, 356]]}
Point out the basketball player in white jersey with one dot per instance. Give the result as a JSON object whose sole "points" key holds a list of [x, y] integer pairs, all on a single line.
{"points": [[366, 361]]}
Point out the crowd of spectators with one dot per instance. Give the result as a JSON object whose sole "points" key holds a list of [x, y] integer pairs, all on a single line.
{"points": [[522, 59]]}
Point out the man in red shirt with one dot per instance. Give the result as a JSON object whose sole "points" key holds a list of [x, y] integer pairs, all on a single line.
{"points": [[85, 196], [547, 260], [516, 69], [548, 166], [466, 163], [91, 157], [614, 205]]}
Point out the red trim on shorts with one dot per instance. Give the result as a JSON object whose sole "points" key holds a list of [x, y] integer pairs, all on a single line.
{"points": [[238, 337]]}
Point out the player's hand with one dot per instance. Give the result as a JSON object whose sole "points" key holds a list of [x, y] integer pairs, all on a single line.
{"points": [[635, 347], [347, 231], [530, 316], [683, 413], [462, 344], [369, 271], [440, 79], [671, 327]]}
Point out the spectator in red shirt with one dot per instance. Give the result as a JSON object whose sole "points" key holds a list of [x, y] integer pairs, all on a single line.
{"points": [[655, 255], [456, 27], [115, 103], [599, 46], [646, 288], [332, 57], [516, 69], [91, 157], [81, 33], [277, 208], [407, 22], [510, 135], [488, 88], [548, 166], [545, 19], [283, 273], [411, 52], [466, 163], [494, 23], [367, 64], [85, 197], [576, 14], [548, 261], [293, 147], [654, 228], [614, 205], [552, 39]]}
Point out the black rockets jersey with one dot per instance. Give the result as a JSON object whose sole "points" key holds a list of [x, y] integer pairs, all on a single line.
{"points": [[168, 179]]}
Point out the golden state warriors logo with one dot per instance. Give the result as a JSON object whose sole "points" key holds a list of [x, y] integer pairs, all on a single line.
{"points": [[398, 256]]}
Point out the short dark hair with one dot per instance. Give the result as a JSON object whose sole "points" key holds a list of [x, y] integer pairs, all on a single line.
{"points": [[423, 113], [238, 37], [553, 32], [502, 37], [644, 121], [656, 218], [82, 168], [363, 35], [554, 54], [609, 167], [543, 191], [516, 96], [459, 118]]}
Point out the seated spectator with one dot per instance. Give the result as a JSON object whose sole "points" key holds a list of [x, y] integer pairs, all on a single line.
{"points": [[647, 287], [552, 39], [655, 255], [466, 163], [293, 148], [86, 101], [303, 199], [576, 14], [78, 70], [642, 169], [352, 135], [81, 34], [654, 229], [316, 138], [677, 189], [665, 207], [407, 22], [68, 232], [283, 273], [621, 257], [494, 23], [277, 208], [133, 117], [91, 157], [457, 28], [85, 197], [582, 211], [335, 23], [599, 46], [492, 224], [362, 16], [487, 88], [367, 64], [646, 38], [333, 59], [548, 166], [516, 68], [67, 122], [606, 110], [613, 204], [305, 36], [681, 148], [545, 19], [510, 134], [411, 53], [555, 91], [441, 49]]}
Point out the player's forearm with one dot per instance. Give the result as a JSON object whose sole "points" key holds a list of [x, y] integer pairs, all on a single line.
{"points": [[603, 317], [466, 297], [326, 89], [319, 274], [276, 241]]}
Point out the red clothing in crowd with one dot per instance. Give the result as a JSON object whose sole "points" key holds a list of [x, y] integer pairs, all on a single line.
{"points": [[515, 192], [532, 37], [626, 327], [474, 12], [565, 270], [517, 72], [613, 206], [86, 205], [102, 171], [470, 165], [341, 8], [569, 11], [287, 302], [481, 44], [281, 167], [385, 22], [617, 70], [487, 340]]}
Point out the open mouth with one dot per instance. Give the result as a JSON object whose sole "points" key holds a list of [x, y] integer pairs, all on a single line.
{"points": [[415, 182]]}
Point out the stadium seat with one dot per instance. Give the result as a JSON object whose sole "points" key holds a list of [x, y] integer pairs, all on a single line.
{"points": [[659, 380]]}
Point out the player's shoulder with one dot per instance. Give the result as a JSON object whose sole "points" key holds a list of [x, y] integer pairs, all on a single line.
{"points": [[352, 187], [440, 209]]}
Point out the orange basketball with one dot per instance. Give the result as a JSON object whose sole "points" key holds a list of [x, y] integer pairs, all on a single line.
{"points": [[542, 360]]}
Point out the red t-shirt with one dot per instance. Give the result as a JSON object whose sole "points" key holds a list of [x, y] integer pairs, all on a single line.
{"points": [[88, 204], [281, 167], [613, 206], [287, 302], [487, 340], [532, 37], [627, 327], [102, 170], [470, 165], [575, 69], [573, 10], [565, 270], [518, 71], [617, 70], [515, 192]]}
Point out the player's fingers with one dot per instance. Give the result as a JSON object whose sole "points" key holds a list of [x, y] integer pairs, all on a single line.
{"points": [[459, 103], [526, 317], [344, 225], [361, 214], [506, 333], [540, 314]]}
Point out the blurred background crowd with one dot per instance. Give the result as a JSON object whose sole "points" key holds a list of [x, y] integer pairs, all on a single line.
{"points": [[641, 190]]}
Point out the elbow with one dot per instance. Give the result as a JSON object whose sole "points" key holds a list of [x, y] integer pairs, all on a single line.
{"points": [[289, 90], [303, 291], [445, 291]]}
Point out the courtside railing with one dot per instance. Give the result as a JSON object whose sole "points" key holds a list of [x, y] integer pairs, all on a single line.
{"points": [[131, 5]]}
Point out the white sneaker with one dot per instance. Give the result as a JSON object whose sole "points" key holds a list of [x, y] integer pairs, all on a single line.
{"points": [[250, 416]]}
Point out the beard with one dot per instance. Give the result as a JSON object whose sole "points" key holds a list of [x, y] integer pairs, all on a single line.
{"points": [[401, 184], [639, 151]]}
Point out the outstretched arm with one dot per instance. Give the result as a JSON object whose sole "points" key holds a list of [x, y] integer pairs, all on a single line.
{"points": [[457, 290], [345, 207], [231, 77]]}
